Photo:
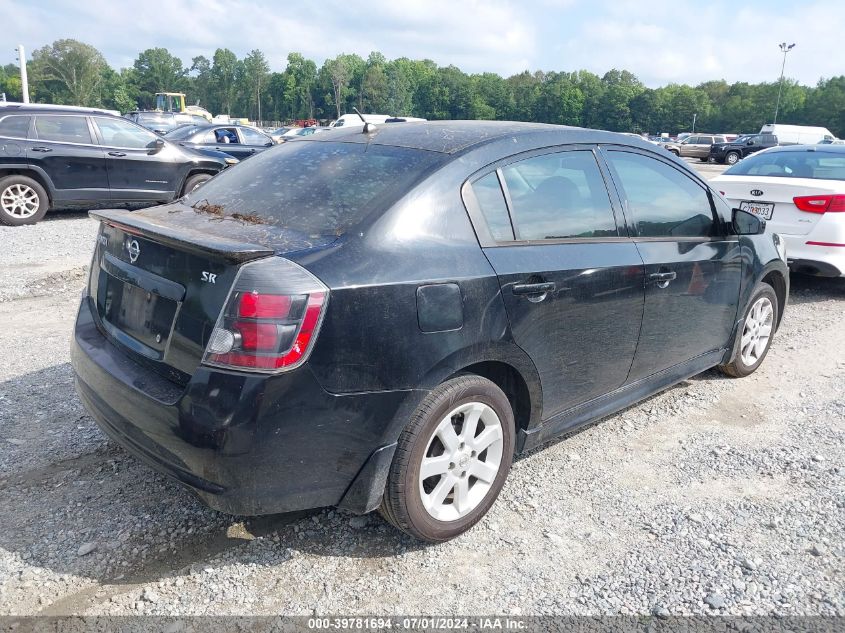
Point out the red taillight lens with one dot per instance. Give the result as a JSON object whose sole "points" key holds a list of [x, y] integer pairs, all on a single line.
{"points": [[264, 306], [820, 204], [271, 318]]}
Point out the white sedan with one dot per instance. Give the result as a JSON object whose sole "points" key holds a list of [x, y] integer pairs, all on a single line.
{"points": [[800, 191]]}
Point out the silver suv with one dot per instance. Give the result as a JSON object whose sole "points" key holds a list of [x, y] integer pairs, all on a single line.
{"points": [[695, 146]]}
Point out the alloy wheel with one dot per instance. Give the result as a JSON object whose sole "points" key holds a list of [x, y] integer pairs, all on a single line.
{"points": [[461, 461], [757, 331], [20, 201]]}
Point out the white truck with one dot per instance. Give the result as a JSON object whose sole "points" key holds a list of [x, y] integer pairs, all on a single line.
{"points": [[797, 134]]}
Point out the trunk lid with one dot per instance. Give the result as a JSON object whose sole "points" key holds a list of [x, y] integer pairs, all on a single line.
{"points": [[786, 218], [161, 276]]}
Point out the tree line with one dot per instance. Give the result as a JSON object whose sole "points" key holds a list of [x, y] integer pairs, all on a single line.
{"points": [[71, 72]]}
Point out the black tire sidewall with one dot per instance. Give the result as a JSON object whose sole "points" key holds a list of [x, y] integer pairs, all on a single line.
{"points": [[449, 396], [43, 200], [762, 290], [191, 184]]}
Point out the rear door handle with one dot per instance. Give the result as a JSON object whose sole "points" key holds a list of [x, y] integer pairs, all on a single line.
{"points": [[41, 149], [117, 154], [533, 289], [663, 278]]}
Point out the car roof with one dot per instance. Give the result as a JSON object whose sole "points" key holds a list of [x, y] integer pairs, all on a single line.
{"points": [[827, 148], [452, 137], [45, 108]]}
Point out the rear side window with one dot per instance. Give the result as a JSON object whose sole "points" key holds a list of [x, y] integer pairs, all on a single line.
{"points": [[63, 129], [663, 201], [559, 195], [252, 137], [489, 195], [313, 188], [15, 126], [817, 165]]}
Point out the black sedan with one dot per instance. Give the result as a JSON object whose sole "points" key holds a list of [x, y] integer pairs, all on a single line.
{"points": [[383, 320], [239, 141]]}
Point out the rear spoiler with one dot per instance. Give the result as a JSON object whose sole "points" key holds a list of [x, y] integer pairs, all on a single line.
{"points": [[181, 238]]}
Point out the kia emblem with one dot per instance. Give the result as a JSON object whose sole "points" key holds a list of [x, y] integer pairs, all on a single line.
{"points": [[756, 192]]}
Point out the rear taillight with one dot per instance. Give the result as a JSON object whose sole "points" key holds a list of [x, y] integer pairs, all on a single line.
{"points": [[270, 320], [821, 204]]}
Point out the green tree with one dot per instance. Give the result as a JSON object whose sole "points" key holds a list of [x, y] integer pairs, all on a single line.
{"points": [[224, 76], [255, 73], [156, 70], [302, 79], [68, 71]]}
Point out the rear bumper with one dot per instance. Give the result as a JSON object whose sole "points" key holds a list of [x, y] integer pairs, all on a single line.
{"points": [[820, 252], [245, 444]]}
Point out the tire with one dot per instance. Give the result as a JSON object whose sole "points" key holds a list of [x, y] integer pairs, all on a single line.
{"points": [[731, 158], [429, 509], [22, 201], [755, 341], [193, 182], [704, 159]]}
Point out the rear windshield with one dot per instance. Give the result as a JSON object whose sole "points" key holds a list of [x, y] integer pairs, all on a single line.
{"points": [[181, 133], [818, 165], [315, 188]]}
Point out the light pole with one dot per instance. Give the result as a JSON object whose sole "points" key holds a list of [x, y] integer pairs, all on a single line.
{"points": [[693, 121], [24, 80], [784, 49]]}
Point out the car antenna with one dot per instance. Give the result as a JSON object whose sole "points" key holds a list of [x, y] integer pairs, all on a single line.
{"points": [[368, 127]]}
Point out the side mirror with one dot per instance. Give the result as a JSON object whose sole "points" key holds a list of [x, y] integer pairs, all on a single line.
{"points": [[750, 143], [745, 223], [270, 144], [158, 144]]}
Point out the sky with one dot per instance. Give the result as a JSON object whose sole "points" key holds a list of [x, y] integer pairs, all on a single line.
{"points": [[660, 41]]}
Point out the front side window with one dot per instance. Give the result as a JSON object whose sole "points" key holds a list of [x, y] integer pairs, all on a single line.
{"points": [[120, 133], [561, 195], [663, 201], [226, 135], [63, 129], [15, 126], [492, 203]]}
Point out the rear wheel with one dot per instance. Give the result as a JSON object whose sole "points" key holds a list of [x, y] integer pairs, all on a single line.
{"points": [[732, 158], [452, 460], [193, 182], [703, 159], [22, 201], [758, 328]]}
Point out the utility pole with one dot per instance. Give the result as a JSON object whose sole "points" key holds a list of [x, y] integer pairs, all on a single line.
{"points": [[784, 48], [24, 80], [695, 114]]}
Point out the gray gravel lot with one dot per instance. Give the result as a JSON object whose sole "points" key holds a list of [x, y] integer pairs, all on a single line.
{"points": [[717, 496]]}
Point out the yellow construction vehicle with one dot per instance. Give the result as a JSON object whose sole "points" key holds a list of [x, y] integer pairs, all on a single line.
{"points": [[175, 102]]}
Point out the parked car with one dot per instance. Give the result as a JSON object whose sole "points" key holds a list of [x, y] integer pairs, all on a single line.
{"points": [[800, 192], [299, 132], [164, 122], [741, 147], [384, 320], [697, 146], [797, 134], [277, 134], [239, 141], [58, 157], [353, 121]]}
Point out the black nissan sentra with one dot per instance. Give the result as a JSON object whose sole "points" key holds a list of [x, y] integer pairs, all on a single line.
{"points": [[382, 320]]}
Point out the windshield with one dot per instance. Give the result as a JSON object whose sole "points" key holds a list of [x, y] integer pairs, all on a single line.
{"points": [[315, 188], [183, 132], [818, 165]]}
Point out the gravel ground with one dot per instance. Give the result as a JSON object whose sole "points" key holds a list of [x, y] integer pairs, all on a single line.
{"points": [[717, 496]]}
